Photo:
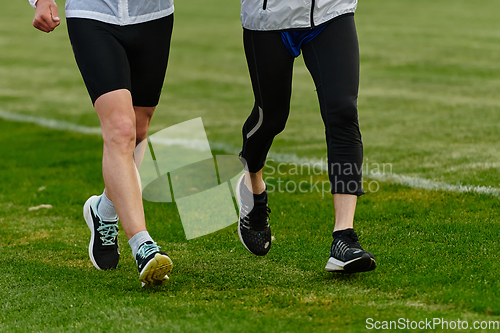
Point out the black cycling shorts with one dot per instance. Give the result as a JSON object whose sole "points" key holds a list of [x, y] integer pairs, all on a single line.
{"points": [[132, 57]]}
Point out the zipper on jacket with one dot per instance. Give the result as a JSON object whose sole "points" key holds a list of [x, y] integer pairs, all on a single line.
{"points": [[312, 13], [264, 6]]}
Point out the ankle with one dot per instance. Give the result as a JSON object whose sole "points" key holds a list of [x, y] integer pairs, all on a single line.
{"points": [[137, 240], [338, 233], [106, 209]]}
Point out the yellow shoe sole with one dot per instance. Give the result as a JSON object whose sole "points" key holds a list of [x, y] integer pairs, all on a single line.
{"points": [[156, 271]]}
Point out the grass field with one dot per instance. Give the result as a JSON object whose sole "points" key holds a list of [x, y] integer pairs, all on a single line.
{"points": [[428, 106]]}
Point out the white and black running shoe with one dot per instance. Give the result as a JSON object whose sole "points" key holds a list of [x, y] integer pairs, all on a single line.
{"points": [[154, 265], [347, 255], [253, 224], [104, 251]]}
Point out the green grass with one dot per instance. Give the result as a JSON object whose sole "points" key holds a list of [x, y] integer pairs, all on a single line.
{"points": [[428, 105], [436, 253]]}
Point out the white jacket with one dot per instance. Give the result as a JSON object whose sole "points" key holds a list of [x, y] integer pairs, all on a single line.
{"points": [[291, 14], [120, 12]]}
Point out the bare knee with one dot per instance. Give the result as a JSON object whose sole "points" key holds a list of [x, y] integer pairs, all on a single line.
{"points": [[118, 122], [120, 135]]}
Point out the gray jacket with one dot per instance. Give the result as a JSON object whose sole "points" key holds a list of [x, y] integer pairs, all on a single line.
{"points": [[291, 14], [120, 12]]}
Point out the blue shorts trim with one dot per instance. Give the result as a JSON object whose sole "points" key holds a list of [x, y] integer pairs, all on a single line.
{"points": [[294, 39]]}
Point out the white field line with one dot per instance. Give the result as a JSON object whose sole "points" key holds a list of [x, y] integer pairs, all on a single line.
{"points": [[427, 184], [413, 182], [474, 166], [50, 123]]}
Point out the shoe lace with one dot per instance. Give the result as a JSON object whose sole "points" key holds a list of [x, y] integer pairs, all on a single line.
{"points": [[147, 249], [258, 217], [348, 240], [108, 232], [339, 248]]}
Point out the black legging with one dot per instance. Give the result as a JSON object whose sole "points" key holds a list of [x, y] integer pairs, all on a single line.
{"points": [[332, 58]]}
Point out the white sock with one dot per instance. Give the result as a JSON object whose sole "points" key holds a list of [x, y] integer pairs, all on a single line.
{"points": [[106, 209], [137, 240]]}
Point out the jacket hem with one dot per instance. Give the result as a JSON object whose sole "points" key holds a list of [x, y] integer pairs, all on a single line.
{"points": [[302, 28], [117, 21]]}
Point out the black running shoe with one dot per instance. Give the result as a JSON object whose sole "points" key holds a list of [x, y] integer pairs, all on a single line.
{"points": [[253, 225], [154, 265], [104, 251], [347, 256]]}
